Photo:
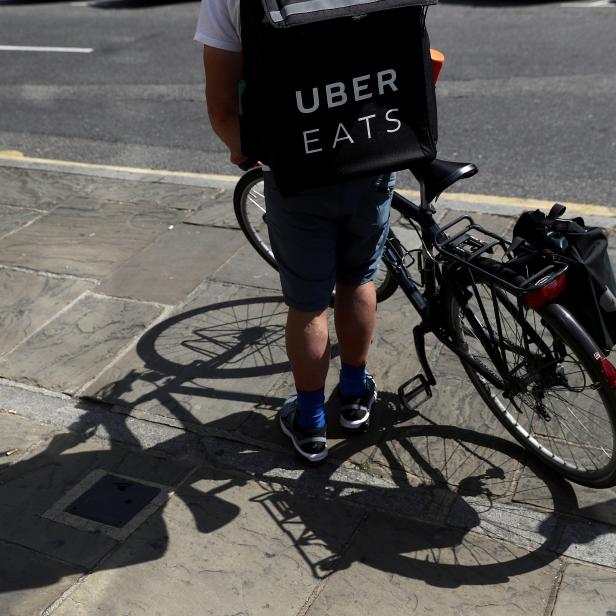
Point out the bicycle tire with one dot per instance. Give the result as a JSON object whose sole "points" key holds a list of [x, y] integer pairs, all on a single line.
{"points": [[254, 228], [250, 211], [544, 418]]}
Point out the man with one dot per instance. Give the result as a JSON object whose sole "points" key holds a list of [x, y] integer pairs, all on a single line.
{"points": [[321, 238]]}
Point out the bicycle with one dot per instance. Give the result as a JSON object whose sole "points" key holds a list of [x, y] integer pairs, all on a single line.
{"points": [[494, 305]]}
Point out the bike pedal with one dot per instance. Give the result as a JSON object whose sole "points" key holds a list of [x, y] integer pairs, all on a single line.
{"points": [[406, 392]]}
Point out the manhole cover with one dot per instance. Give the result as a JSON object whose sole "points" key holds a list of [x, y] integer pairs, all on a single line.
{"points": [[113, 501]]}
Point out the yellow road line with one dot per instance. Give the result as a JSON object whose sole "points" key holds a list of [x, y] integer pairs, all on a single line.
{"points": [[582, 209], [15, 155]]}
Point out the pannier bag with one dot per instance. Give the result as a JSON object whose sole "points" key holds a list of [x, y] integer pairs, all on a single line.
{"points": [[336, 88], [590, 295]]}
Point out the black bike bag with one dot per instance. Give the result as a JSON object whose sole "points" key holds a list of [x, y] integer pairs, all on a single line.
{"points": [[590, 295], [336, 88]]}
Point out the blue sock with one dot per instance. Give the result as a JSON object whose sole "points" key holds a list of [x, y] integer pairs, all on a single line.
{"points": [[311, 409], [353, 381]]}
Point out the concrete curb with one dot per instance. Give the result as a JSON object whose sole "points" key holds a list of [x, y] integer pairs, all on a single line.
{"points": [[597, 215]]}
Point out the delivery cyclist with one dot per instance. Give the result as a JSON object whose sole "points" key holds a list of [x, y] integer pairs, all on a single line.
{"points": [[322, 239]]}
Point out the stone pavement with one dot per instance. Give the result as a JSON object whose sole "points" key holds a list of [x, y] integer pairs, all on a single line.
{"points": [[142, 471]]}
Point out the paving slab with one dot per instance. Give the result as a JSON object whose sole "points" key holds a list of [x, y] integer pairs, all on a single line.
{"points": [[31, 582], [513, 523], [209, 363], [228, 547], [590, 503], [72, 349], [586, 590], [86, 237], [452, 439], [31, 487], [174, 264], [43, 190], [465, 460], [246, 267], [217, 212], [12, 218], [167, 195], [29, 299], [501, 225], [589, 541], [396, 567], [18, 435]]}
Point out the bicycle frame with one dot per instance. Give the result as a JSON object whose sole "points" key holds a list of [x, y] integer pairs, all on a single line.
{"points": [[427, 303]]}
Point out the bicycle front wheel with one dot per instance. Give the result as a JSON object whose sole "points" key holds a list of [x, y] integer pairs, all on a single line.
{"points": [[249, 206], [553, 396], [251, 214]]}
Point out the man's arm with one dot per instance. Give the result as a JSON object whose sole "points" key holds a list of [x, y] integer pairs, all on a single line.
{"points": [[223, 72]]}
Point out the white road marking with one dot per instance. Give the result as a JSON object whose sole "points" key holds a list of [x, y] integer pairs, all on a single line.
{"points": [[46, 49]]}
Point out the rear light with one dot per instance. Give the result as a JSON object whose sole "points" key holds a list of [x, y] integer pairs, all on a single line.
{"points": [[549, 292], [608, 370]]}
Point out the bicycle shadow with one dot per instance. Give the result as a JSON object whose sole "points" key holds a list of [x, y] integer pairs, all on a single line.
{"points": [[182, 359]]}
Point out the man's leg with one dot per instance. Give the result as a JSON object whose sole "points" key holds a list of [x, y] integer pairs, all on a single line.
{"points": [[355, 319], [360, 245], [302, 231], [308, 348], [308, 351]]}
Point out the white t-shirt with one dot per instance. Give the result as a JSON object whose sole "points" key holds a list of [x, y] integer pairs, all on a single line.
{"points": [[219, 24]]}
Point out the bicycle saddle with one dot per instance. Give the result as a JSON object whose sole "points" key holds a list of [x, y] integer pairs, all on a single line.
{"points": [[438, 175]]}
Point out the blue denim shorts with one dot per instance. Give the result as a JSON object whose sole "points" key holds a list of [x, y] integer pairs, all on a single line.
{"points": [[328, 235]]}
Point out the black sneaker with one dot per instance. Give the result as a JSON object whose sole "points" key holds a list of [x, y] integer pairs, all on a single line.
{"points": [[355, 411], [310, 444]]}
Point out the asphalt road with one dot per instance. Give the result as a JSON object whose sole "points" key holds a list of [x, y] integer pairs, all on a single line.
{"points": [[528, 93]]}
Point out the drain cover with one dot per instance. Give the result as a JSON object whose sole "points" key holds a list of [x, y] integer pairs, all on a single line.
{"points": [[113, 501]]}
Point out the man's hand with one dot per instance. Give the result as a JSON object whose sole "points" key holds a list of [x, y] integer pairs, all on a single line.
{"points": [[237, 158], [223, 72]]}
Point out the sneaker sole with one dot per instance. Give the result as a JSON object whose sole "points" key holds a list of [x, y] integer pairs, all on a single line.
{"points": [[315, 457], [359, 424]]}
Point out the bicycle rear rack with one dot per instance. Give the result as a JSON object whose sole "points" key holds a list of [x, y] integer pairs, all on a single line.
{"points": [[519, 269]]}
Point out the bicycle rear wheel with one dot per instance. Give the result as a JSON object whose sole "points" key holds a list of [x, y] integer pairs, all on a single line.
{"points": [[250, 211], [561, 408]]}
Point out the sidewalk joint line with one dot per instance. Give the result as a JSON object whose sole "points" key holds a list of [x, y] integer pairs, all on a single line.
{"points": [[35, 389], [44, 274], [131, 300], [24, 226], [64, 309], [166, 312], [28, 208], [45, 555], [553, 596]]}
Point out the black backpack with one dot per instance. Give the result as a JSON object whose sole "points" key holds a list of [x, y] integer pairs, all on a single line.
{"points": [[336, 88], [590, 294]]}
